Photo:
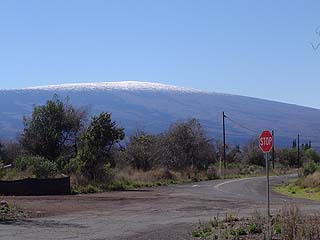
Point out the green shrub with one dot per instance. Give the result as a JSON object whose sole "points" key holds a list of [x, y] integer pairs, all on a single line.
{"points": [[312, 154], [2, 172], [85, 189], [75, 165], [40, 167], [204, 230], [254, 228], [121, 185], [108, 172], [25, 162], [230, 218], [241, 231], [212, 173], [309, 169], [9, 212], [44, 168], [277, 228]]}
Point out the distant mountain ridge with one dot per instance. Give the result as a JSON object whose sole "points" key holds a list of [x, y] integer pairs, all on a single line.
{"points": [[154, 106], [125, 85]]}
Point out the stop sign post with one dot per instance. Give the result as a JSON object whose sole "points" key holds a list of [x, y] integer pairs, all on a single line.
{"points": [[266, 144]]}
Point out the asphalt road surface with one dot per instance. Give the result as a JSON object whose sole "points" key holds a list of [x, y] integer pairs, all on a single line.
{"points": [[158, 213]]}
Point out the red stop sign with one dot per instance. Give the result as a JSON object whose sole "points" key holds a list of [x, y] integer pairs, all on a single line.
{"points": [[266, 141]]}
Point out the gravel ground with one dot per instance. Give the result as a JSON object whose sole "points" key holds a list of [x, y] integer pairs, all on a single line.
{"points": [[158, 213]]}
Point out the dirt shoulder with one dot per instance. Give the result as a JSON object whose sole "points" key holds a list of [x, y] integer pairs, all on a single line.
{"points": [[46, 206], [156, 213]]}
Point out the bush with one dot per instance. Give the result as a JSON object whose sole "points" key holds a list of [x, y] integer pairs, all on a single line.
{"points": [[119, 185], [23, 163], [309, 168], [44, 168], [9, 212], [85, 189], [75, 165], [39, 166], [240, 231], [108, 172], [310, 181], [312, 154], [212, 173], [254, 228], [2, 173]]}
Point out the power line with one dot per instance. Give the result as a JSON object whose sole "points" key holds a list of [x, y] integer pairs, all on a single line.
{"points": [[240, 125], [254, 133], [241, 135]]}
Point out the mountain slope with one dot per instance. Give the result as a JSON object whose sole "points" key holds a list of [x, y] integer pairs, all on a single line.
{"points": [[155, 106]]}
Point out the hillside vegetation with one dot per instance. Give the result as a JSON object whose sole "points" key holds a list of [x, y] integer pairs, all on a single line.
{"points": [[59, 139]]}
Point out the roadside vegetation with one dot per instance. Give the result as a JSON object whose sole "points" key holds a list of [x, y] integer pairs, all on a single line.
{"points": [[9, 212], [307, 185], [289, 223], [59, 140]]}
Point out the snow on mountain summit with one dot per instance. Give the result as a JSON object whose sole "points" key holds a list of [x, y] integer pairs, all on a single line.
{"points": [[125, 85]]}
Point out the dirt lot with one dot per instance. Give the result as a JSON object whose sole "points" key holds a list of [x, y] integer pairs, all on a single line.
{"points": [[157, 213]]}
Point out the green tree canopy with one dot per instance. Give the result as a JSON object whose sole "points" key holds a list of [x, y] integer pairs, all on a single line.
{"points": [[52, 130], [186, 145], [97, 142], [141, 151]]}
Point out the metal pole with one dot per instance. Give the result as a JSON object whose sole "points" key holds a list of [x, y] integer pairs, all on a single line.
{"points": [[273, 155], [298, 149], [220, 172], [224, 139], [268, 196]]}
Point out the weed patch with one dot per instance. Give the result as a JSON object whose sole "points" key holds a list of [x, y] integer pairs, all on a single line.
{"points": [[9, 212], [288, 224]]}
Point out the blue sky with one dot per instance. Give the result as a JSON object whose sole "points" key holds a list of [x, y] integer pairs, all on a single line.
{"points": [[253, 48]]}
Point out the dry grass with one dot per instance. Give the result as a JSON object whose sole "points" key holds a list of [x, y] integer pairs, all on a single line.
{"points": [[145, 177], [14, 174], [288, 224], [310, 181], [159, 176]]}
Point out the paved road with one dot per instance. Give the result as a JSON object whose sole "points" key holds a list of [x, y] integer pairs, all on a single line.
{"points": [[159, 213]]}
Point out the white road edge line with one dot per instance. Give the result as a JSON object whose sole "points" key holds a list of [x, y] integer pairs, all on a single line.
{"points": [[231, 181], [241, 179]]}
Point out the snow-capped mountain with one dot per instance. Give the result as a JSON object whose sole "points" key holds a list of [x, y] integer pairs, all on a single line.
{"points": [[126, 85], [154, 106]]}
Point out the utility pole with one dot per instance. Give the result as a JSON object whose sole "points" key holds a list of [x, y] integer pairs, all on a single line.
{"points": [[273, 150], [298, 149], [224, 139]]}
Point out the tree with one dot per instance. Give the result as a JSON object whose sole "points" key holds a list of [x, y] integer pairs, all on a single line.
{"points": [[185, 145], [52, 130], [10, 151], [235, 154], [97, 143], [294, 143], [288, 157], [141, 151], [252, 153], [312, 154], [2, 152]]}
